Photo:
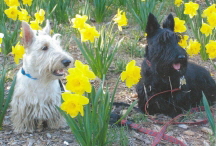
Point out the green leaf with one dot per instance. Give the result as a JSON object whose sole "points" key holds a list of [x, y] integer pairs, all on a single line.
{"points": [[128, 111], [209, 114]]}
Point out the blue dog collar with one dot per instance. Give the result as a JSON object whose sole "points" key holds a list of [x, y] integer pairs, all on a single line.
{"points": [[28, 75]]}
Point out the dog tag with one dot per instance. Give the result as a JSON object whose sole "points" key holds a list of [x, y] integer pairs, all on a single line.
{"points": [[182, 81]]}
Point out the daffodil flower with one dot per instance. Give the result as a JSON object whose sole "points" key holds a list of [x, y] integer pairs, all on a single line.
{"points": [[179, 25], [178, 2], [193, 47], [18, 52], [120, 19], [23, 15], [79, 21], [191, 9], [89, 33], [78, 83], [183, 41], [208, 11], [27, 2], [131, 75], [1, 37], [11, 3], [211, 49], [73, 104], [12, 12], [39, 16], [84, 69], [79, 77], [35, 25], [211, 19], [206, 29]]}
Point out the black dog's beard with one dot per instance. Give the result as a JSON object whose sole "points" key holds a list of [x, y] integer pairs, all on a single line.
{"points": [[173, 68]]}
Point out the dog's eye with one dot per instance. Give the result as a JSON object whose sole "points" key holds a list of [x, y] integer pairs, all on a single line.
{"points": [[44, 48]]}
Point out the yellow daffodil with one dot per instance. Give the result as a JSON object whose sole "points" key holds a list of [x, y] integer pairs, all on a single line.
{"points": [[211, 49], [183, 41], [193, 47], [178, 2], [132, 74], [120, 19], [21, 33], [179, 25], [211, 19], [12, 12], [191, 9], [78, 83], [27, 2], [35, 25], [18, 52], [84, 69], [89, 33], [11, 3], [73, 104], [1, 37], [145, 34], [79, 21], [206, 29], [208, 11], [79, 77], [39, 16], [23, 15]]}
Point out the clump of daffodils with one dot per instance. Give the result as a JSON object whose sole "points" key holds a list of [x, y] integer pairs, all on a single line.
{"points": [[88, 32], [203, 29], [78, 82], [14, 13]]}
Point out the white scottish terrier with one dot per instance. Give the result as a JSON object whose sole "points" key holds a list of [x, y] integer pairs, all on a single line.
{"points": [[37, 91]]}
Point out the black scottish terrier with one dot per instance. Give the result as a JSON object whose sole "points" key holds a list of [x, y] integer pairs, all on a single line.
{"points": [[165, 68]]}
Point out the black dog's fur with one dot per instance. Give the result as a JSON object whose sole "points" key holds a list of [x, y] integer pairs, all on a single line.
{"points": [[164, 67]]}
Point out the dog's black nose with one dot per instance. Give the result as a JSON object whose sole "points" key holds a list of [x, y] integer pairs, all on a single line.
{"points": [[66, 62], [181, 57]]}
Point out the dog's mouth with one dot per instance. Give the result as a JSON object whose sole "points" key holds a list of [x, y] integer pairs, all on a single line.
{"points": [[176, 66], [59, 72]]}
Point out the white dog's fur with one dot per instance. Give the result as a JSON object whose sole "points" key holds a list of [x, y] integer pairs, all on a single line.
{"points": [[34, 101]]}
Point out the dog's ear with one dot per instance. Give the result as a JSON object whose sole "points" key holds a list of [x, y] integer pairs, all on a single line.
{"points": [[57, 38], [169, 22], [47, 28], [28, 34], [152, 25]]}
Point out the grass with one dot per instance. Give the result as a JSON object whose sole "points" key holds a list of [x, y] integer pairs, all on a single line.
{"points": [[118, 136], [120, 65]]}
